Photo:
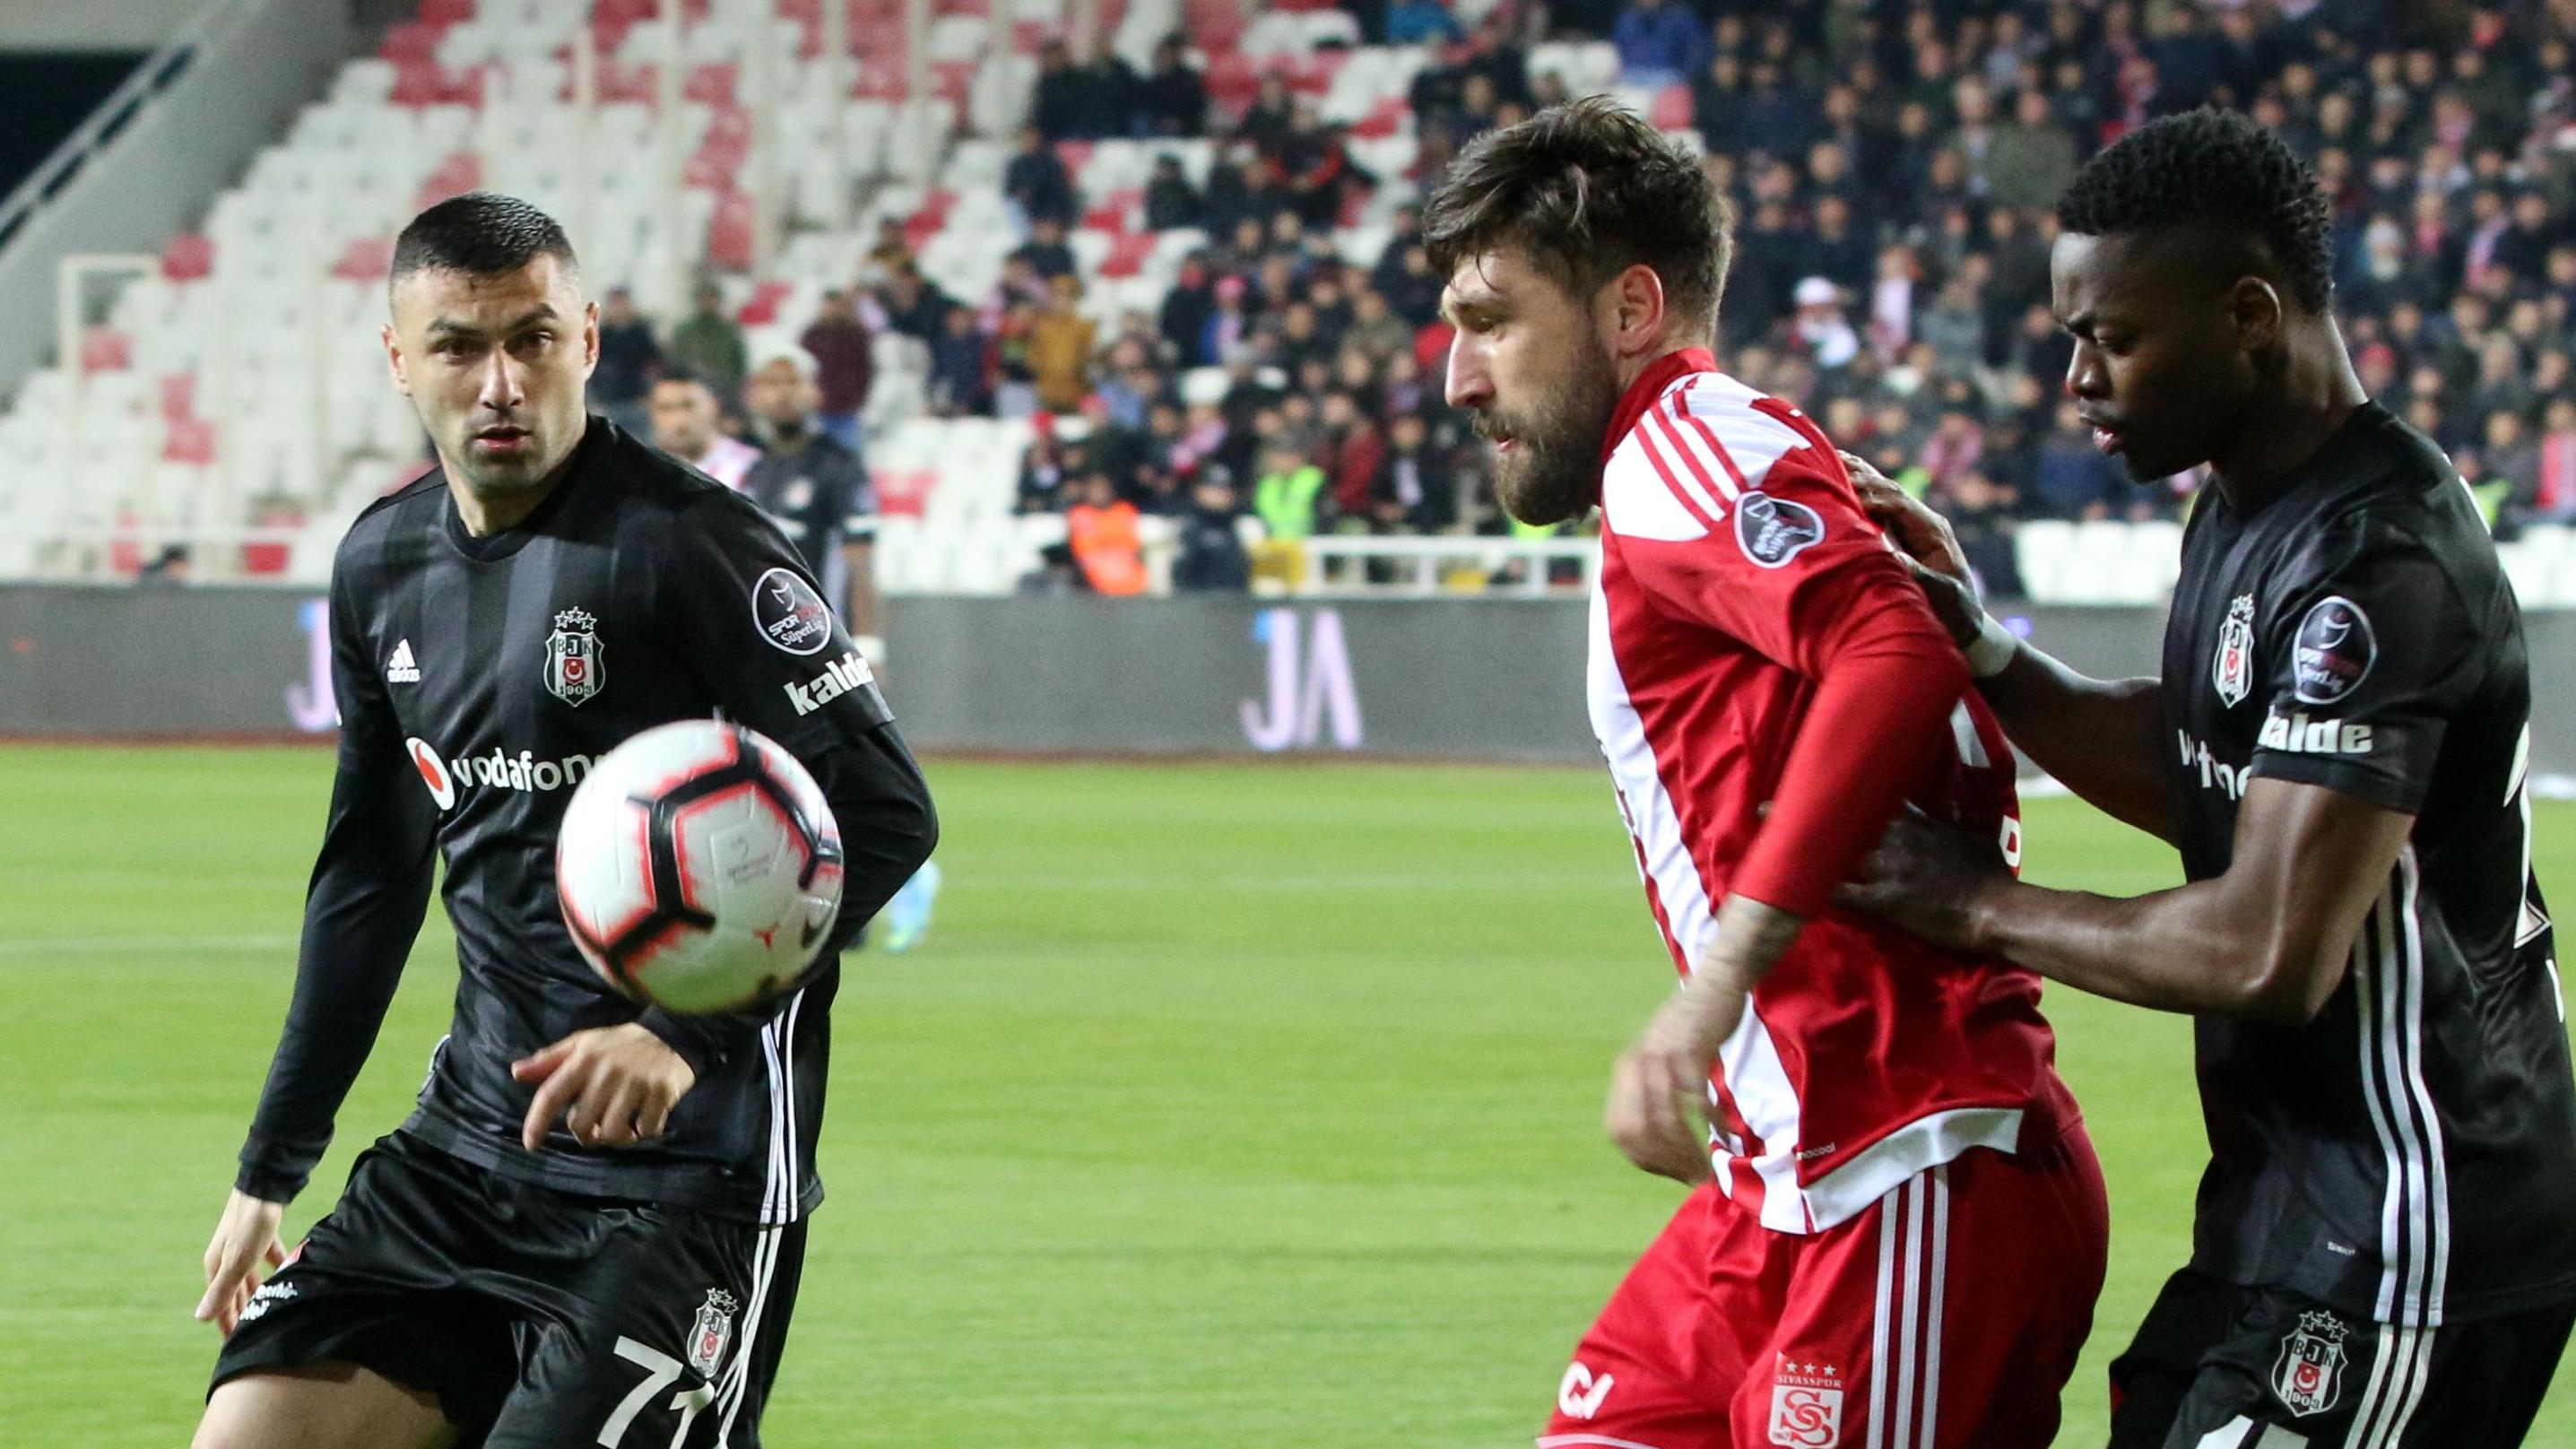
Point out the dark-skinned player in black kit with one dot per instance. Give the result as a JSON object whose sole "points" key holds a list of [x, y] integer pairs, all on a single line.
{"points": [[2384, 1245]]}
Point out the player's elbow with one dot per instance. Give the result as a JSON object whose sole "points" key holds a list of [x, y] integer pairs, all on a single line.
{"points": [[2289, 981]]}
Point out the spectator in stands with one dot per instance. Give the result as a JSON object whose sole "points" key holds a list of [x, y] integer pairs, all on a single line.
{"points": [[1270, 118], [685, 426], [1060, 348], [840, 345], [1421, 22], [710, 344], [1170, 200], [2030, 162], [1212, 557], [2071, 478], [1047, 253], [1376, 331], [914, 305], [1290, 497], [628, 360], [961, 367], [891, 252], [2553, 498], [1957, 445], [1821, 329], [1353, 451], [1106, 542], [1659, 43], [1130, 384], [1036, 182], [1414, 490], [1980, 511], [1059, 110], [1172, 99], [1187, 310]]}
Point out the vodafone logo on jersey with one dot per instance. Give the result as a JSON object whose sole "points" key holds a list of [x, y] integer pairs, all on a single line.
{"points": [[433, 772], [497, 769]]}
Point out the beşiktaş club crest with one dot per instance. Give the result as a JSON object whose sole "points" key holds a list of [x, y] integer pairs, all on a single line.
{"points": [[2309, 1375], [574, 671], [1806, 1405], [712, 1334], [2232, 669]]}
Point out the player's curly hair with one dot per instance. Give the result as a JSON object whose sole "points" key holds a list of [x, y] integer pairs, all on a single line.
{"points": [[1587, 189], [2217, 167], [481, 234]]}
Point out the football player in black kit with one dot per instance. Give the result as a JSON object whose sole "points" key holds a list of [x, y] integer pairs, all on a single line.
{"points": [[2384, 1244], [591, 1229]]}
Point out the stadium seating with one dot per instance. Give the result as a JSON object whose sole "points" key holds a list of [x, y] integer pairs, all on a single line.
{"points": [[238, 396]]}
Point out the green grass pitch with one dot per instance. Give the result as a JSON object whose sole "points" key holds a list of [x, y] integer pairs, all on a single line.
{"points": [[1226, 1107]]}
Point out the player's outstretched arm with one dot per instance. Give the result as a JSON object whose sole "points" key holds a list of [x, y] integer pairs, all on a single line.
{"points": [[2266, 941], [370, 889], [2101, 737]]}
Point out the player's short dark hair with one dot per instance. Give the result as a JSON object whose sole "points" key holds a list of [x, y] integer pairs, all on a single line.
{"points": [[683, 374], [480, 234], [1587, 189], [2212, 168]]}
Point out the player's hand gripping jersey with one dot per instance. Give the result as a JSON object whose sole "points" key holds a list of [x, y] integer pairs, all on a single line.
{"points": [[1767, 685]]}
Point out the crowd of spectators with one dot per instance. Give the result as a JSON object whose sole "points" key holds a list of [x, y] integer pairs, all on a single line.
{"points": [[1893, 168]]}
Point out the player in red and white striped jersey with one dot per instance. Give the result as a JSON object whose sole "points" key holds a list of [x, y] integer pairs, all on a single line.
{"points": [[1898, 1230]]}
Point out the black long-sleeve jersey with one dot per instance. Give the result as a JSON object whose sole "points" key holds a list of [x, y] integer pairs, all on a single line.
{"points": [[477, 679], [2409, 1156]]}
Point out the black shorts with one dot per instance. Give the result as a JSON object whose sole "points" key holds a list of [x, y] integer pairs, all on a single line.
{"points": [[538, 1319], [2230, 1367]]}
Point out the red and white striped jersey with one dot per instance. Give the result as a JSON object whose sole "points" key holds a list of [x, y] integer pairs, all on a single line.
{"points": [[1734, 557]]}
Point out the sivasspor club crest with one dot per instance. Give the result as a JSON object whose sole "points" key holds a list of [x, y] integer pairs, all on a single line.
{"points": [[2233, 668], [712, 1334], [2309, 1375], [1806, 1405], [573, 669]]}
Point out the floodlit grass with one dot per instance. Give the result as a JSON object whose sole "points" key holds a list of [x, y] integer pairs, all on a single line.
{"points": [[1226, 1106]]}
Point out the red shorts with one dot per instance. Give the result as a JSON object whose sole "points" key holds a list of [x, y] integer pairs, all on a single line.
{"points": [[1946, 1315]]}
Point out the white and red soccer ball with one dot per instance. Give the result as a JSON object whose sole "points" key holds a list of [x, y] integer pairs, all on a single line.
{"points": [[700, 868]]}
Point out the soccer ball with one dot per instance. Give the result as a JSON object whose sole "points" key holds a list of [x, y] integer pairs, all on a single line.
{"points": [[700, 868]]}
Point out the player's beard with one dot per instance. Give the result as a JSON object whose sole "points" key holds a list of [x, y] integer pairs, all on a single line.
{"points": [[1553, 475]]}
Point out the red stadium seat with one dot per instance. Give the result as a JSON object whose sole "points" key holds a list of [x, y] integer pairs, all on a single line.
{"points": [[189, 257], [1113, 210], [762, 309], [1127, 255], [418, 82], [189, 440], [711, 83], [949, 79], [903, 492], [460, 173], [729, 232], [178, 397], [368, 259], [1384, 119], [410, 41], [445, 12], [104, 349], [1232, 82]]}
